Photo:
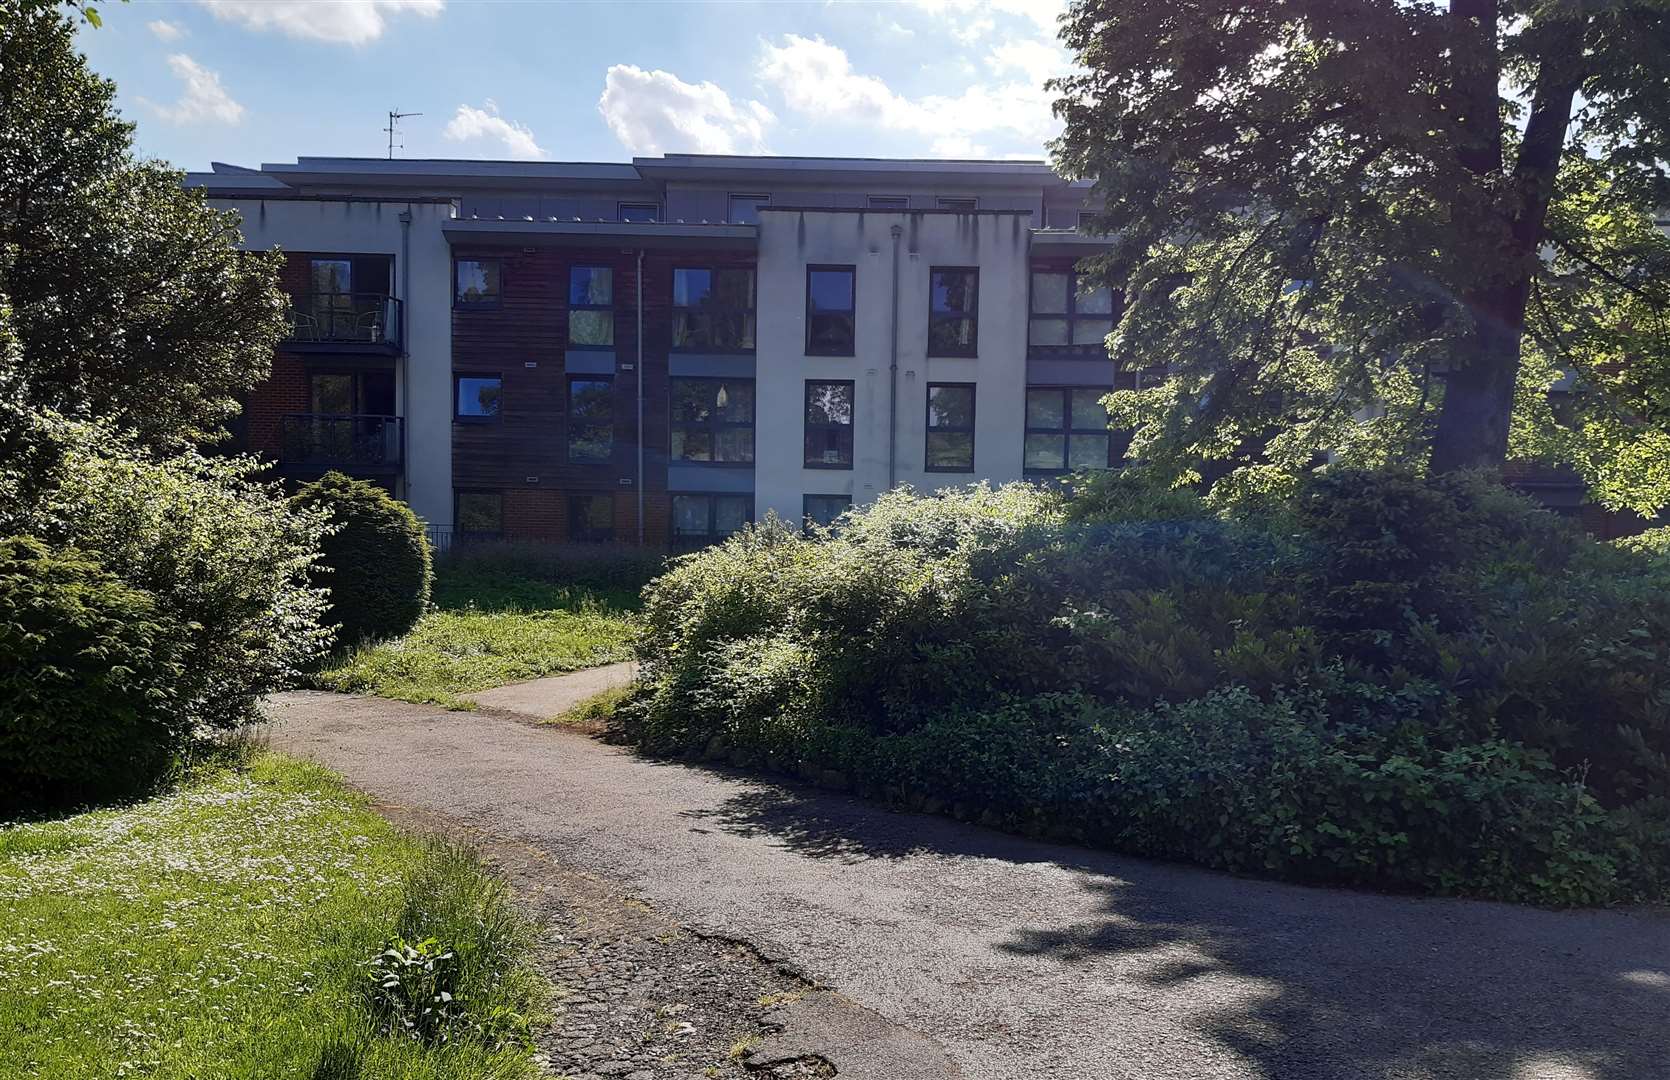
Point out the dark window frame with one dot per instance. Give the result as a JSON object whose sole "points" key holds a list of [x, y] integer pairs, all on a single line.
{"points": [[574, 536], [573, 307], [461, 418], [1066, 431], [714, 427], [852, 313], [852, 427], [476, 305], [623, 206], [964, 203], [902, 203], [459, 530], [761, 198], [973, 347], [806, 498], [1072, 315], [569, 425], [928, 429], [751, 312], [711, 536]]}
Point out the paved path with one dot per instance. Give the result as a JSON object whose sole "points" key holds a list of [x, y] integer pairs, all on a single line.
{"points": [[541, 699], [1028, 960]]}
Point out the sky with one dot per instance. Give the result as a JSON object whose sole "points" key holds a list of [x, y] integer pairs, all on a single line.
{"points": [[248, 81]]}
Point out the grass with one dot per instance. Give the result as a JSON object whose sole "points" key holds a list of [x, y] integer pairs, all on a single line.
{"points": [[596, 714], [223, 930], [504, 615]]}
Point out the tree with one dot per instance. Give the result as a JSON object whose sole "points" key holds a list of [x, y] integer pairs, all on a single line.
{"points": [[1332, 219], [129, 296]]}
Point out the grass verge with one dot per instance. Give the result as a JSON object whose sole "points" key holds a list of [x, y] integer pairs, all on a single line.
{"points": [[596, 714], [502, 617], [225, 930]]}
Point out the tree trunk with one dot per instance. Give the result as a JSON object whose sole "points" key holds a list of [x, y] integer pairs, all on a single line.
{"points": [[1473, 421]]}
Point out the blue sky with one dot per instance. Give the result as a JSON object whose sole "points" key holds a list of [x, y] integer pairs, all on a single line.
{"points": [[246, 81]]}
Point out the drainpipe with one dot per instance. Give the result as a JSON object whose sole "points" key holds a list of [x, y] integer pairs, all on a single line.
{"points": [[638, 287], [893, 374], [405, 373]]}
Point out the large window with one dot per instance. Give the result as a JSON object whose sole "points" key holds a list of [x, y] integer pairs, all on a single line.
{"points": [[829, 310], [356, 393], [713, 309], [950, 427], [824, 509], [478, 513], [745, 209], [476, 397], [713, 420], [591, 518], [475, 282], [634, 211], [953, 312], [591, 311], [1066, 428], [704, 519], [591, 419], [828, 424], [1062, 314]]}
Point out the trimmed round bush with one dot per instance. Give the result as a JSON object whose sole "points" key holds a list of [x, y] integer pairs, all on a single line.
{"points": [[87, 670], [375, 563]]}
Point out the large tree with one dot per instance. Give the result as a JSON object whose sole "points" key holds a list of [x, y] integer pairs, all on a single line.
{"points": [[1365, 226], [130, 300]]}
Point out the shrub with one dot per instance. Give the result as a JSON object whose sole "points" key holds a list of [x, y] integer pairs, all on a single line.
{"points": [[1418, 684], [87, 689], [223, 558], [375, 562]]}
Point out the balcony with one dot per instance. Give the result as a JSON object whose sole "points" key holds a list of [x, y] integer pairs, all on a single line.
{"points": [[311, 443], [345, 322]]}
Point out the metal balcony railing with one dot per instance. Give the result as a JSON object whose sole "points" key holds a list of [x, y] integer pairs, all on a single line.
{"points": [[341, 442], [345, 319]]}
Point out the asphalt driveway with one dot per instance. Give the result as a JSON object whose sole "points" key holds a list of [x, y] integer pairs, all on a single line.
{"points": [[1024, 959]]}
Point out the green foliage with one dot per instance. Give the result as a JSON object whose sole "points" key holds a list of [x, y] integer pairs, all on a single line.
{"points": [[375, 561], [1417, 684], [132, 301], [222, 558], [87, 705], [1330, 247]]}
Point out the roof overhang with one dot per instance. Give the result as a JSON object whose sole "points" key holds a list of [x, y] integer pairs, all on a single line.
{"points": [[626, 234]]}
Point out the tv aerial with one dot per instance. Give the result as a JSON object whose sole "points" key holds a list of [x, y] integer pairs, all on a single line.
{"points": [[395, 116]]}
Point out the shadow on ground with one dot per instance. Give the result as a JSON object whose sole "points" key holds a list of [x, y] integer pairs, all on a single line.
{"points": [[1298, 982]]}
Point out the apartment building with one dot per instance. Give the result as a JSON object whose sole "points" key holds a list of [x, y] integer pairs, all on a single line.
{"points": [[658, 351]]}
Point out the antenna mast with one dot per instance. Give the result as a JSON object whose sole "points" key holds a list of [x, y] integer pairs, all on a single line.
{"points": [[395, 116]]}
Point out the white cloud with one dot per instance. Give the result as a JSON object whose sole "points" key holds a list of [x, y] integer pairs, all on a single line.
{"points": [[203, 101], [654, 112], [343, 22], [1035, 58], [817, 79], [470, 123], [1041, 13], [165, 30]]}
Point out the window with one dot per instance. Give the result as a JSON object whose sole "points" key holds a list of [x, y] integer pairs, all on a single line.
{"points": [[824, 509], [591, 312], [704, 519], [828, 424], [829, 310], [888, 202], [634, 211], [591, 518], [953, 312], [745, 209], [591, 419], [1063, 315], [476, 397], [956, 202], [358, 393], [479, 513], [1066, 428], [475, 282], [713, 420], [713, 309], [950, 428], [1087, 222]]}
